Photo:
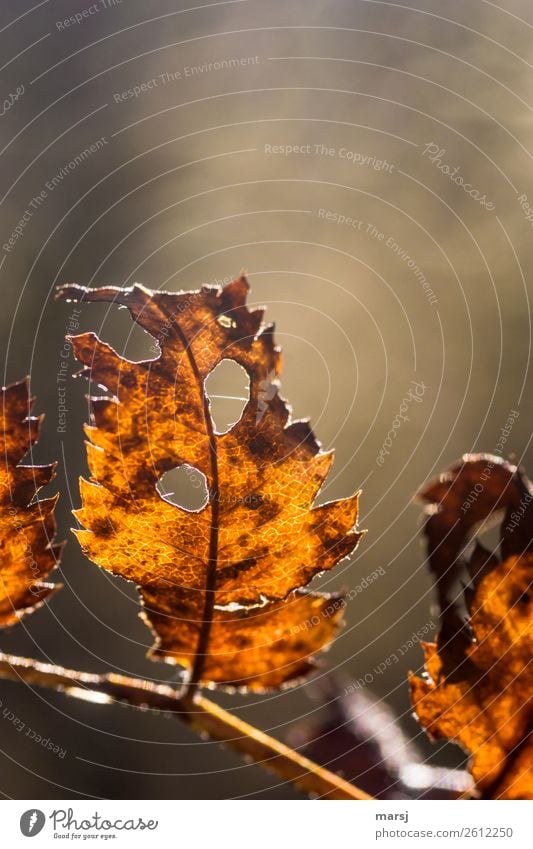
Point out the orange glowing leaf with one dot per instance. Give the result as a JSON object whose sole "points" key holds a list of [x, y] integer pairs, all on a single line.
{"points": [[221, 586], [27, 526], [478, 686]]}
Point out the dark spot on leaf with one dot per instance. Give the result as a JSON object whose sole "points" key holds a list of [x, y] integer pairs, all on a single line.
{"points": [[269, 510], [129, 380], [101, 527], [254, 501], [230, 573], [259, 446]]}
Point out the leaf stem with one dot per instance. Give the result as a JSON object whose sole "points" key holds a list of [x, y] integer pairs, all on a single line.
{"points": [[201, 714], [214, 498]]}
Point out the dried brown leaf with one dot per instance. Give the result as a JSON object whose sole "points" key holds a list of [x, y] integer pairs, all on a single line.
{"points": [[221, 587], [478, 687], [27, 526]]}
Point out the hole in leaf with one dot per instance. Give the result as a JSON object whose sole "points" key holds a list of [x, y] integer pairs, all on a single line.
{"points": [[228, 389], [185, 486], [226, 321], [489, 534], [126, 336]]}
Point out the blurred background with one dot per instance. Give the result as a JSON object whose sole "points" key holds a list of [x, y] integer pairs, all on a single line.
{"points": [[318, 146]]}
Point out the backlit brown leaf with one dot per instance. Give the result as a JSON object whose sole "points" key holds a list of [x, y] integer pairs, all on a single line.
{"points": [[27, 526], [478, 689], [472, 493], [221, 587], [358, 735]]}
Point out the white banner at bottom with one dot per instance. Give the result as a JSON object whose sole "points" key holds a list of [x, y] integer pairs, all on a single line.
{"points": [[267, 824]]}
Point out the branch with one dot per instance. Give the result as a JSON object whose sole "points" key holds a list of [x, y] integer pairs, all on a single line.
{"points": [[202, 715]]}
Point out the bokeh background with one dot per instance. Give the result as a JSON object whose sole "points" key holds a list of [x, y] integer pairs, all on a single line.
{"points": [[191, 182]]}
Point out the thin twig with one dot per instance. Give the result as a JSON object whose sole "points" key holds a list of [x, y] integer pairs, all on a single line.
{"points": [[201, 714]]}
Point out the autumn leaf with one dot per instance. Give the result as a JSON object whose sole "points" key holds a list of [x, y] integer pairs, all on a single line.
{"points": [[359, 736], [27, 526], [473, 493], [478, 686], [222, 587]]}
